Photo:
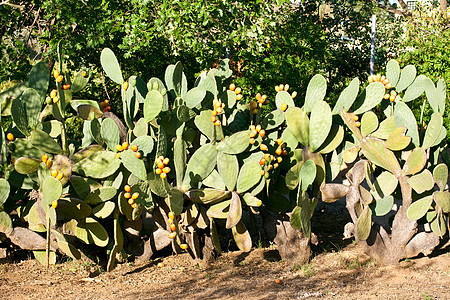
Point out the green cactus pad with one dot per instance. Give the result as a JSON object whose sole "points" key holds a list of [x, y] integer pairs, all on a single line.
{"points": [[72, 209], [298, 124], [251, 200], [96, 131], [384, 185], [39, 77], [145, 144], [436, 95], [295, 220], [175, 79], [364, 224], [19, 116], [415, 162], [439, 226], [347, 97], [204, 124], [110, 133], [407, 76], [235, 143], [218, 210], [51, 190], [249, 175], [157, 185], [26, 165], [397, 140], [4, 190], [383, 206], [100, 164], [229, 98], [377, 153], [307, 174], [393, 72], [153, 105], [44, 142], [283, 97], [273, 120], [33, 104], [242, 237], [140, 128], [201, 164], [421, 182], [228, 168], [86, 152], [87, 112], [100, 195], [419, 208], [373, 95], [334, 139], [23, 147], [387, 126], [97, 232], [79, 82], [65, 247], [234, 212], [415, 89], [319, 125], [316, 90], [289, 139], [176, 200], [292, 176], [5, 222], [180, 157], [111, 65], [442, 198], [214, 181], [133, 164], [53, 128], [208, 196], [433, 130], [194, 96], [440, 176], [369, 123]]}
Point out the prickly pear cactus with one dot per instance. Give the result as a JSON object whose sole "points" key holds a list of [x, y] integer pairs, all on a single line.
{"points": [[398, 174]]}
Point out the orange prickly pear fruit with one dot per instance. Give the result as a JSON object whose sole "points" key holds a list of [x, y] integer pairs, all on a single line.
{"points": [[284, 107], [232, 87], [10, 136]]}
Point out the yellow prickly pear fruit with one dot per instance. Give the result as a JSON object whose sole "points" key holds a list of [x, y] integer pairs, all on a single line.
{"points": [[163, 175], [281, 87], [49, 163], [125, 85], [388, 86], [60, 176], [277, 88], [55, 99], [183, 246], [54, 173], [53, 93], [158, 171], [371, 79], [238, 90], [124, 145], [55, 73], [130, 201], [258, 202], [127, 195], [134, 205], [382, 78], [171, 215], [55, 204], [217, 123], [378, 77], [172, 235], [294, 94], [119, 148], [356, 118], [252, 141], [253, 104], [60, 78], [232, 87], [127, 188], [284, 107], [135, 196], [44, 158], [286, 87], [239, 97], [386, 96], [258, 128], [358, 124]]}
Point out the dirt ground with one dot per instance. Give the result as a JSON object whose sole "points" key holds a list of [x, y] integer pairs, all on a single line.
{"points": [[260, 274]]}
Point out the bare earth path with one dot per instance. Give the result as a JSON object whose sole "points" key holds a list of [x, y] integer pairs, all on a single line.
{"points": [[341, 275]]}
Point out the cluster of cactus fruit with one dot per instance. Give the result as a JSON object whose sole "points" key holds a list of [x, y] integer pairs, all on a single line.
{"points": [[197, 155]]}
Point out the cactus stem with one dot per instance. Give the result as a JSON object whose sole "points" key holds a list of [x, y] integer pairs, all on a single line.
{"points": [[421, 112]]}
